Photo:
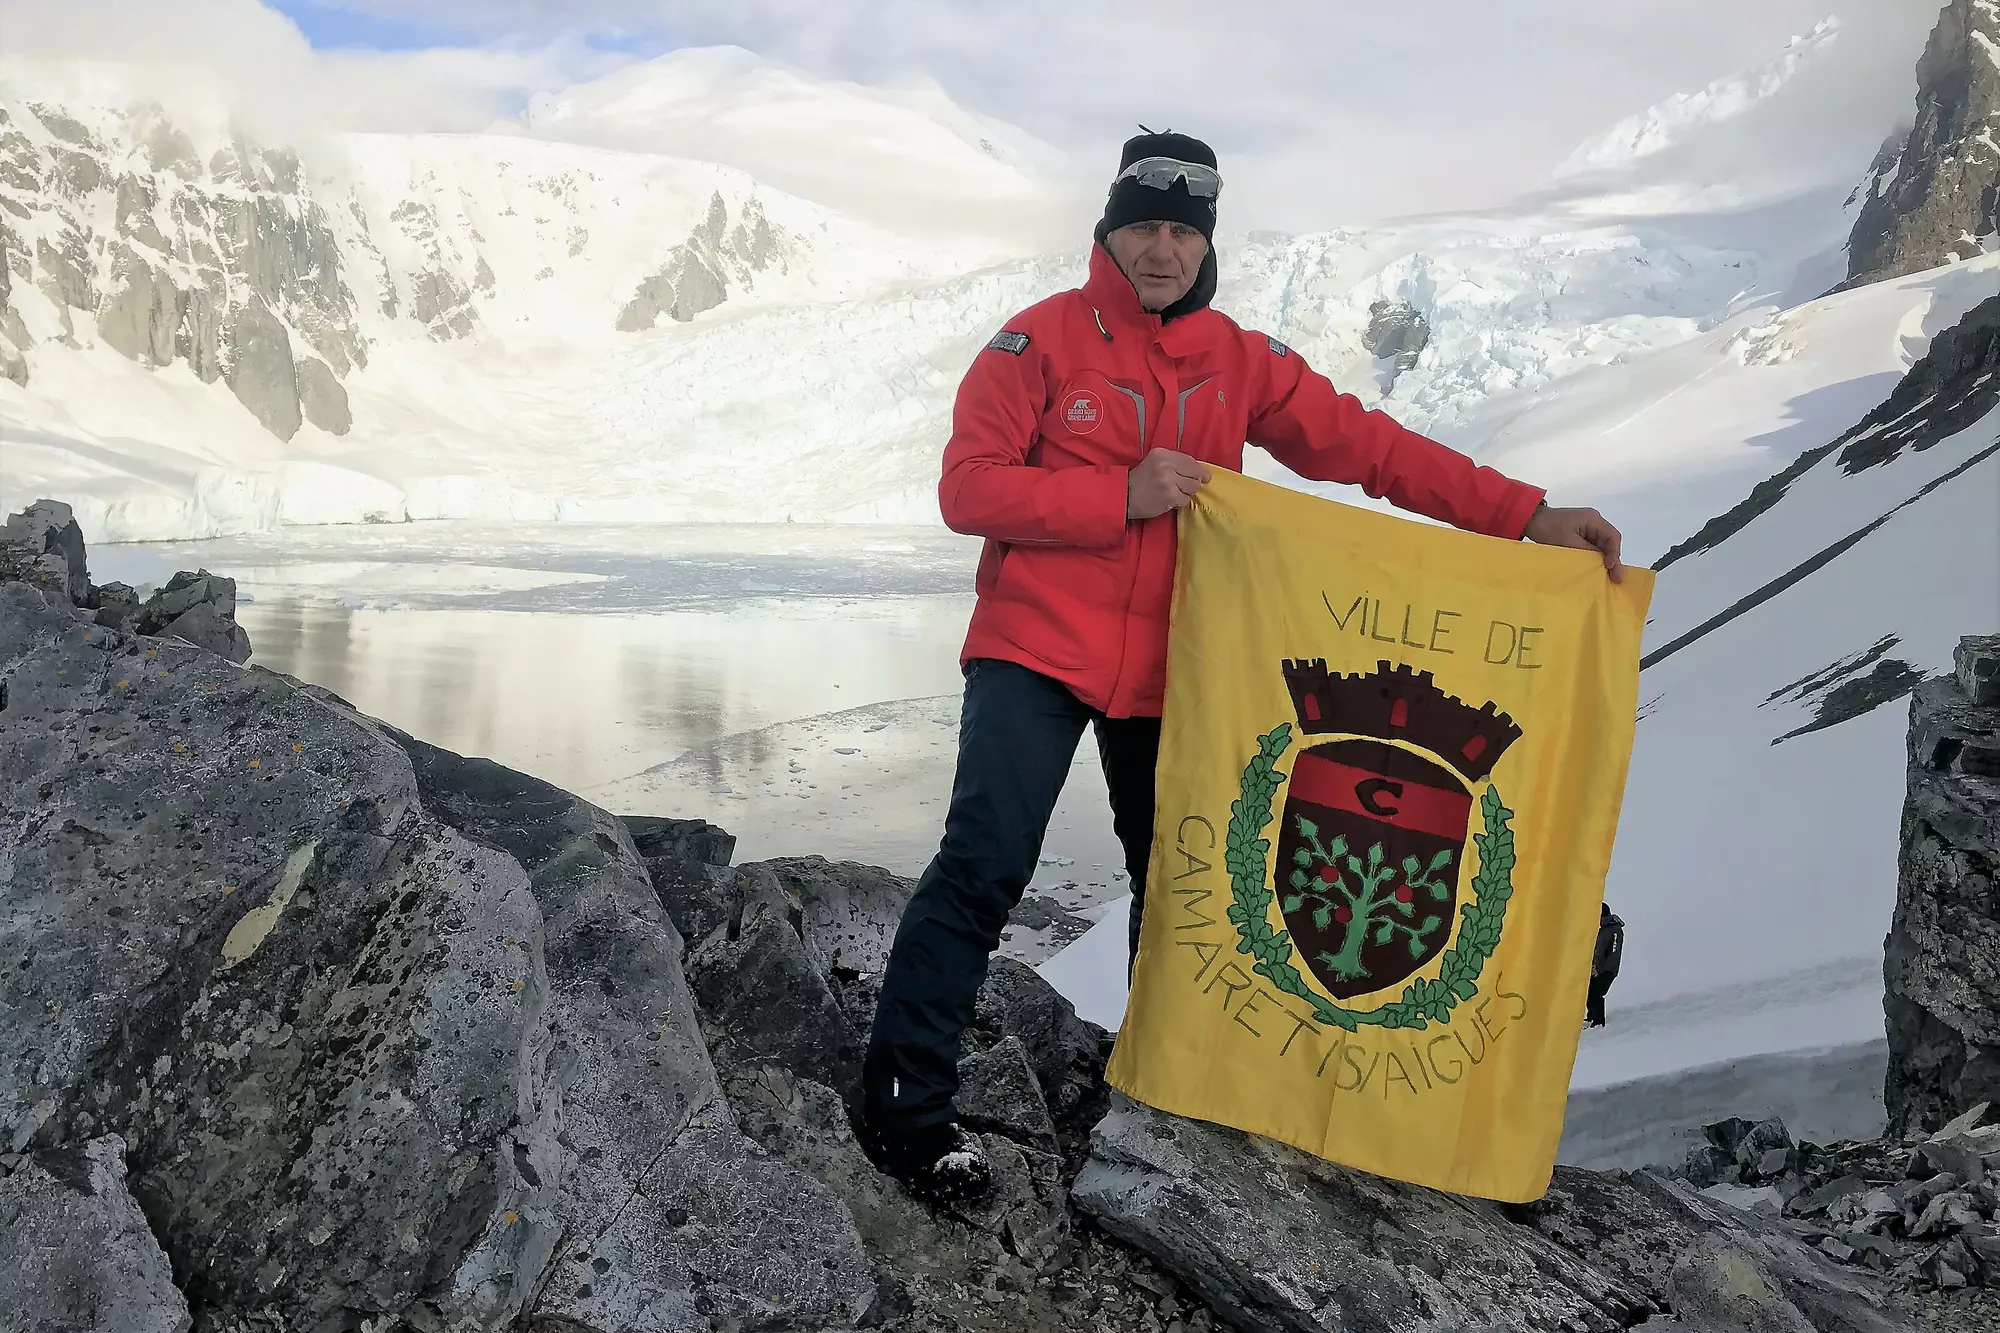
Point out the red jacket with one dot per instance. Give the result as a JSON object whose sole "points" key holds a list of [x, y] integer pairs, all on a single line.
{"points": [[1071, 395]]}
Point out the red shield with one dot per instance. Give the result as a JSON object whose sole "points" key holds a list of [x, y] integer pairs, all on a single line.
{"points": [[1368, 862]]}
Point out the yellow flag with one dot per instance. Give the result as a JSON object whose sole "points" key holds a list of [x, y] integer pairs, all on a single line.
{"points": [[1391, 765]]}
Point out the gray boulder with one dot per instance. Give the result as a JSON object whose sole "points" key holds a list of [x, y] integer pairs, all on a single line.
{"points": [[389, 1031], [75, 1252], [43, 546]]}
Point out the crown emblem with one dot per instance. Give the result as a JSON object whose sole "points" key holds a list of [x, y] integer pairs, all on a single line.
{"points": [[1397, 703]]}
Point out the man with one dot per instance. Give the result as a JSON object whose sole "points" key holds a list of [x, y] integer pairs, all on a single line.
{"points": [[1604, 960], [1078, 431]]}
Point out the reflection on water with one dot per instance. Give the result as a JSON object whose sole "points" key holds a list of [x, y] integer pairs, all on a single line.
{"points": [[583, 699], [771, 679]]}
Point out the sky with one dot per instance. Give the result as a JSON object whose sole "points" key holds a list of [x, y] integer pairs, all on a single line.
{"points": [[1324, 111]]}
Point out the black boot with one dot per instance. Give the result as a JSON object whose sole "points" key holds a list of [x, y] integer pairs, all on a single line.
{"points": [[936, 1163]]}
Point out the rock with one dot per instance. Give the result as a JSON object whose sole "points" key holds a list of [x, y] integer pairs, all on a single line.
{"points": [[762, 998], [998, 1091], [1763, 1137], [43, 545], [1709, 1165], [1748, 1198], [1939, 1217], [1274, 1239], [76, 1255], [1728, 1135], [259, 368], [1964, 1124], [1067, 1053], [1976, 663], [1827, 1195], [1397, 333], [1941, 962], [322, 397], [1775, 1162], [198, 608], [386, 1029], [697, 273], [1954, 1159], [851, 911], [1928, 201], [138, 319], [693, 840], [1714, 1285], [1837, 1250]]}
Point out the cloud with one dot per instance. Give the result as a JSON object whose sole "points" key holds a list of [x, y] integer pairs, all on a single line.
{"points": [[196, 54], [1323, 112]]}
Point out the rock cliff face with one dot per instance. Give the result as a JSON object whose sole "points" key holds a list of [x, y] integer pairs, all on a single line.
{"points": [[1935, 196], [699, 271], [228, 262], [1942, 962]]}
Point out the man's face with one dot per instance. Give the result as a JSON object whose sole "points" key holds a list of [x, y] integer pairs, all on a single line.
{"points": [[1160, 259]]}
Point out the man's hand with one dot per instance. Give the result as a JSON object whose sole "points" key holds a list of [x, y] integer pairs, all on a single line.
{"points": [[1583, 528], [1163, 480]]}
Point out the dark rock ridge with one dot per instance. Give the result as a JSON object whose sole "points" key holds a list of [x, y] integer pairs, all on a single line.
{"points": [[1941, 966], [1935, 197], [1951, 396], [1953, 385], [398, 1040]]}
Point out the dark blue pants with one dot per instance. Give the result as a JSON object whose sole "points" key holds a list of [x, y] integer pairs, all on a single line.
{"points": [[1018, 734]]}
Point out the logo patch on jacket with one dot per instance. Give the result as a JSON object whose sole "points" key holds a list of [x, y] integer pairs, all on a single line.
{"points": [[1007, 341], [1277, 347], [1083, 412]]}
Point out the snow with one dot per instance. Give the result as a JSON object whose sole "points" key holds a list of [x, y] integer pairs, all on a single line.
{"points": [[1670, 122], [855, 149]]}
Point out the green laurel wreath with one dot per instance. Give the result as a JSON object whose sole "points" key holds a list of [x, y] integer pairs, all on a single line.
{"points": [[1425, 1000]]}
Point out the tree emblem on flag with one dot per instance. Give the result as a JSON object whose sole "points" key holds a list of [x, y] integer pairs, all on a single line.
{"points": [[1369, 846]]}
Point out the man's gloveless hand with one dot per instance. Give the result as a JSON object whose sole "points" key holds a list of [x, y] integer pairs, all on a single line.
{"points": [[1163, 481], [1585, 529]]}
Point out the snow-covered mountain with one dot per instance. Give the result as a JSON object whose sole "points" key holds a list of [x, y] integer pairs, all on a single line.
{"points": [[590, 328]]}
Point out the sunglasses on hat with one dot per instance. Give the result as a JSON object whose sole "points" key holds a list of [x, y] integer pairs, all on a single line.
{"points": [[1161, 172]]}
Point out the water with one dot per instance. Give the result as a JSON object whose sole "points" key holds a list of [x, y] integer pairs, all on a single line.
{"points": [[797, 685]]}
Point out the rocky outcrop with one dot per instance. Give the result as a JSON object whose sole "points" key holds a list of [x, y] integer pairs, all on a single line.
{"points": [[258, 367], [1941, 965], [42, 546], [1396, 336], [1275, 1239], [76, 1255], [224, 264], [388, 1031], [197, 608], [1935, 197], [698, 271], [322, 397], [402, 1040]]}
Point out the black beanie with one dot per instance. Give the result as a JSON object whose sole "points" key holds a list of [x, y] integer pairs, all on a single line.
{"points": [[1130, 202]]}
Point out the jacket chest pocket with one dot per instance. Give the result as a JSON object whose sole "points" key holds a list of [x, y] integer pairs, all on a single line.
{"points": [[1207, 423], [1094, 419]]}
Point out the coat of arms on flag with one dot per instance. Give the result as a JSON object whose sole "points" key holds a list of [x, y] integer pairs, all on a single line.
{"points": [[1391, 765]]}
